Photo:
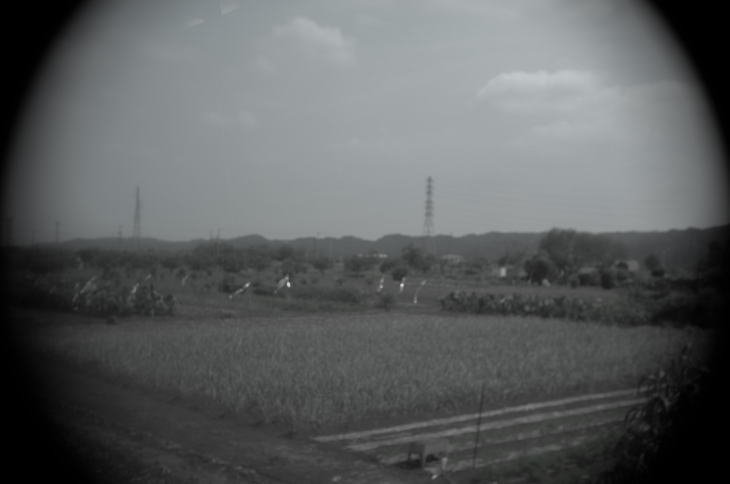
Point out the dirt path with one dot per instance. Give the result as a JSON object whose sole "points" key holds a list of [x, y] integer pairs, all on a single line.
{"points": [[121, 434]]}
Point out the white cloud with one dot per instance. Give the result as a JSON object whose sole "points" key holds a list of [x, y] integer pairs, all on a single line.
{"points": [[540, 91], [567, 108], [327, 42], [229, 6]]}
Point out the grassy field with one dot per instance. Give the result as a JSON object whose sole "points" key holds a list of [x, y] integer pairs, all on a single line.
{"points": [[325, 370]]}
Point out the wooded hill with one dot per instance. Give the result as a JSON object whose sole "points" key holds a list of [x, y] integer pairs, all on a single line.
{"points": [[678, 249]]}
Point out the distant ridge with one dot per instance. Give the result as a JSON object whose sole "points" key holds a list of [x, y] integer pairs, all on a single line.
{"points": [[678, 248]]}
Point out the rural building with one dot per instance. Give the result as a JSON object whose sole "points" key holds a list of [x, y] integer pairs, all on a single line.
{"points": [[453, 259], [373, 254]]}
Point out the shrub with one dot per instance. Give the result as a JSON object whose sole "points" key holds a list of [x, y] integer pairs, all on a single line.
{"points": [[97, 297], [608, 279], [562, 307], [228, 284], [399, 272], [385, 301], [656, 432]]}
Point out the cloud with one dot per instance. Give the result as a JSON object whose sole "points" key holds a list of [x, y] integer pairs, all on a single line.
{"points": [[316, 40], [229, 6], [564, 107], [540, 91]]}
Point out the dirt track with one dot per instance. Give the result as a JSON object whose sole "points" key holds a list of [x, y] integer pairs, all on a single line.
{"points": [[120, 434]]}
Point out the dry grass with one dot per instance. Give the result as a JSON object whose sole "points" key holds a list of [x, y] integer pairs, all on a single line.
{"points": [[332, 369]]}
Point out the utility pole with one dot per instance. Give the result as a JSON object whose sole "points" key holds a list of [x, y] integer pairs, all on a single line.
{"points": [[137, 227], [428, 218]]}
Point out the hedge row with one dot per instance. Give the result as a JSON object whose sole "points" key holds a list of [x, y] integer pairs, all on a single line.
{"points": [[97, 298], [563, 307]]}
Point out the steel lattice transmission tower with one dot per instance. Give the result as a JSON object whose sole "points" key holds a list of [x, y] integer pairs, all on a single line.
{"points": [[137, 228], [428, 219]]}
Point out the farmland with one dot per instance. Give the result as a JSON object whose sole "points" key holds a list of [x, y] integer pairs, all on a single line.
{"points": [[335, 370], [343, 350]]}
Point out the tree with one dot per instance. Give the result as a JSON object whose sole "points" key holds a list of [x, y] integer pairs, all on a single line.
{"points": [[359, 264], [569, 250], [388, 265], [321, 264], [652, 263], [399, 272], [416, 258], [538, 268]]}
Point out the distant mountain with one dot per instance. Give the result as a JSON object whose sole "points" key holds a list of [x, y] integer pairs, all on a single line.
{"points": [[678, 249]]}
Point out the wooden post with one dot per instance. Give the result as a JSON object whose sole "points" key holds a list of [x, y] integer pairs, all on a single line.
{"points": [[479, 423]]}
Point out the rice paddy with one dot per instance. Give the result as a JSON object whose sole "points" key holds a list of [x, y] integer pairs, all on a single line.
{"points": [[329, 370]]}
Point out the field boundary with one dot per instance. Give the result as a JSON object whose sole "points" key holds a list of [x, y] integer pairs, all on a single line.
{"points": [[471, 416]]}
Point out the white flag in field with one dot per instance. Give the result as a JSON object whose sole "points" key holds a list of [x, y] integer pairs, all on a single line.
{"points": [[415, 296], [240, 290], [284, 281]]}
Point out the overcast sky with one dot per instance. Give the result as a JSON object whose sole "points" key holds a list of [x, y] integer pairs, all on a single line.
{"points": [[298, 118]]}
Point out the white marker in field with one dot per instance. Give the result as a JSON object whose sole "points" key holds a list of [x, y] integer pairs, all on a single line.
{"points": [[240, 290], [89, 286], [381, 284], [284, 281], [402, 284], [415, 296]]}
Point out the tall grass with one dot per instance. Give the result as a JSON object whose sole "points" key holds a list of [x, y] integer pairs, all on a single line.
{"points": [[333, 369]]}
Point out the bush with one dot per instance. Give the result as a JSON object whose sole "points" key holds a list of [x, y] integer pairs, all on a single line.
{"points": [[589, 279], [608, 279], [385, 301], [228, 284], [97, 297], [399, 272], [577, 309], [657, 434]]}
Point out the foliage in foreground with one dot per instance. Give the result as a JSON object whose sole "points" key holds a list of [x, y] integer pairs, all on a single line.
{"points": [[656, 430]]}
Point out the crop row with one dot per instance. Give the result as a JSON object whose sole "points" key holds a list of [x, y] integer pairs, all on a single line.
{"points": [[98, 297]]}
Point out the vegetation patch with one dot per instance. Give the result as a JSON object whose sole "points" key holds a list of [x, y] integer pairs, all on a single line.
{"points": [[313, 371], [615, 310]]}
